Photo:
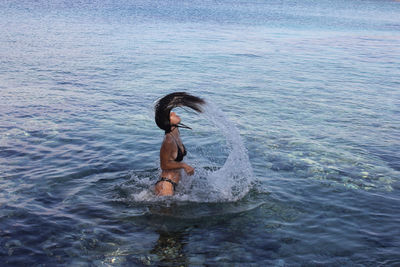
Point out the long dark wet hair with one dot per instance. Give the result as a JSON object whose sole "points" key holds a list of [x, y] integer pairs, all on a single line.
{"points": [[164, 106]]}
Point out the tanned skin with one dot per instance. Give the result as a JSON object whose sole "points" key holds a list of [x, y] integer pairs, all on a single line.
{"points": [[169, 167]]}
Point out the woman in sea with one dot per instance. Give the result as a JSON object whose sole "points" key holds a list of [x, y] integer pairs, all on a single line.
{"points": [[172, 149]]}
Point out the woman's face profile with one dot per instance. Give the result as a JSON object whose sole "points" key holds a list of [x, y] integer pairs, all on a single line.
{"points": [[174, 118]]}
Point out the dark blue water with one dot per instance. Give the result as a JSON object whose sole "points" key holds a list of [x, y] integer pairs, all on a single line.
{"points": [[297, 156]]}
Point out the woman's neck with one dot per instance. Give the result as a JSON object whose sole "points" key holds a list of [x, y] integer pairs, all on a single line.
{"points": [[174, 130]]}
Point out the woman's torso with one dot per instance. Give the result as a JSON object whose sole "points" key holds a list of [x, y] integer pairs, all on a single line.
{"points": [[177, 154]]}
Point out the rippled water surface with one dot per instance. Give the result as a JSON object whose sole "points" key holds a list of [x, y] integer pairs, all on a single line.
{"points": [[297, 155]]}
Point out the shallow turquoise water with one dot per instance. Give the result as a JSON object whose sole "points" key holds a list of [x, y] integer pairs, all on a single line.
{"points": [[312, 88]]}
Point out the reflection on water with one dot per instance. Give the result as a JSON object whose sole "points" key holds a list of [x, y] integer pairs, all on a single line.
{"points": [[169, 248]]}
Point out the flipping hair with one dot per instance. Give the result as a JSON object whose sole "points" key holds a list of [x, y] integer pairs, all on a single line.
{"points": [[164, 106]]}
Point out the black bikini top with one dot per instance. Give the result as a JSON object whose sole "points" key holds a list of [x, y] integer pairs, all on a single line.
{"points": [[181, 154]]}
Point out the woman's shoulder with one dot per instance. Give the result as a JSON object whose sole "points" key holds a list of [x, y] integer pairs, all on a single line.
{"points": [[168, 139], [168, 143]]}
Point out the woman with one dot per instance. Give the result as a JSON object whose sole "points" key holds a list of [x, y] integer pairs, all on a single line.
{"points": [[172, 149]]}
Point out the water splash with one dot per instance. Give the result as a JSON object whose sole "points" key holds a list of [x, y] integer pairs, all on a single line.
{"points": [[233, 180], [226, 183]]}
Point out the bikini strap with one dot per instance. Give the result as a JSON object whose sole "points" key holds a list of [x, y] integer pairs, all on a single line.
{"points": [[177, 144]]}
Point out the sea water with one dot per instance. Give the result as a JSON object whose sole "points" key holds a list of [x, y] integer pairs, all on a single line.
{"points": [[296, 154]]}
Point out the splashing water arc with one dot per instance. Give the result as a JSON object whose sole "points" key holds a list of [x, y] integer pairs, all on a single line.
{"points": [[226, 183], [233, 180]]}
